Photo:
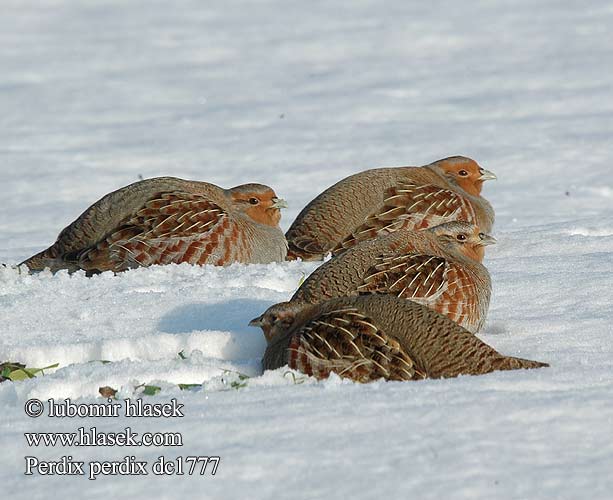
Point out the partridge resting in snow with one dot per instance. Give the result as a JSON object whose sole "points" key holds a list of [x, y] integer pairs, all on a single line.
{"points": [[168, 220], [366, 204], [379, 336], [439, 267]]}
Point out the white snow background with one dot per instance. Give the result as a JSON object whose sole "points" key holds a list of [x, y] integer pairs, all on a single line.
{"points": [[298, 95]]}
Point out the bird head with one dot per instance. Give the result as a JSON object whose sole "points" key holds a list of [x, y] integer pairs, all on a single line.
{"points": [[463, 172], [258, 202], [277, 319], [462, 237]]}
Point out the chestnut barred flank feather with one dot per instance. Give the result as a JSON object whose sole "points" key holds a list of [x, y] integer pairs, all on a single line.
{"points": [[374, 202], [367, 338], [438, 267], [167, 220], [410, 206], [168, 229]]}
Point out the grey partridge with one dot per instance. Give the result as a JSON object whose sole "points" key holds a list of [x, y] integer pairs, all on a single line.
{"points": [[169, 220], [439, 267], [379, 336], [365, 204]]}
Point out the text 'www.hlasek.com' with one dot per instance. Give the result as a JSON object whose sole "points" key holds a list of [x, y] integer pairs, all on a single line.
{"points": [[85, 436]]}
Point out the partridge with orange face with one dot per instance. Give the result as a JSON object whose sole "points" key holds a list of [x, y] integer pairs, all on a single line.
{"points": [[372, 202], [379, 336], [167, 220], [439, 267]]}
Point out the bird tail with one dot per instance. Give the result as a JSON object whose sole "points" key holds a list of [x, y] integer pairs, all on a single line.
{"points": [[40, 261], [48, 258], [511, 363]]}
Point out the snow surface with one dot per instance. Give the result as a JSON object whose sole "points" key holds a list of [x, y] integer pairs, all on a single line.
{"points": [[297, 95]]}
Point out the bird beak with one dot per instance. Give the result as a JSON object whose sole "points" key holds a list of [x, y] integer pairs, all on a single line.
{"points": [[278, 203], [486, 239], [257, 322], [486, 175]]}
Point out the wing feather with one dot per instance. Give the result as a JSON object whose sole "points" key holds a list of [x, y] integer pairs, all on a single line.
{"points": [[419, 277], [410, 205], [350, 344], [164, 230]]}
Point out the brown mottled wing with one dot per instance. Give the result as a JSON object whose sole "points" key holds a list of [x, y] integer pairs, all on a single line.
{"points": [[171, 227], [350, 344], [306, 248], [412, 276], [415, 206], [432, 281]]}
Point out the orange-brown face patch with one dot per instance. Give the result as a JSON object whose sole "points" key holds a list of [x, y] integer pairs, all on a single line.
{"points": [[472, 249], [265, 214], [479, 252], [262, 212], [469, 183]]}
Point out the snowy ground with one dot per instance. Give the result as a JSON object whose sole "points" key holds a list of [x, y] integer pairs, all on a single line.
{"points": [[297, 95]]}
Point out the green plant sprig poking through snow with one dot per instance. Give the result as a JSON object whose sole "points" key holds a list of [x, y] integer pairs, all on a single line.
{"points": [[18, 371], [233, 379]]}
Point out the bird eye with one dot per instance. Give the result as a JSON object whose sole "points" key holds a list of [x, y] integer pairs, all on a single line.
{"points": [[463, 173], [254, 201], [461, 237]]}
